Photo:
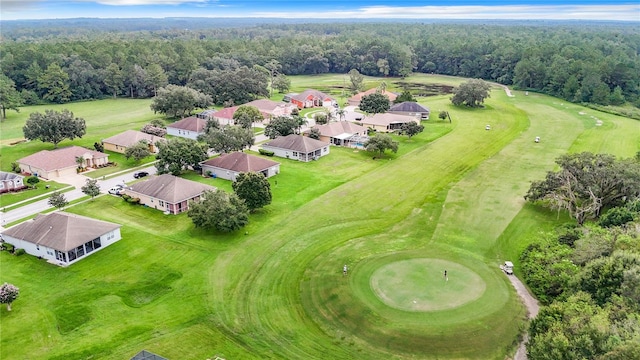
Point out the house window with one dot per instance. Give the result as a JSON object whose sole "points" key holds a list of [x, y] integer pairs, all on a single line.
{"points": [[88, 246], [61, 256], [161, 203], [325, 149], [295, 153], [96, 243]]}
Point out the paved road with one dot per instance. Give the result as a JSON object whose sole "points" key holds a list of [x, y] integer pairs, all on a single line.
{"points": [[77, 181]]}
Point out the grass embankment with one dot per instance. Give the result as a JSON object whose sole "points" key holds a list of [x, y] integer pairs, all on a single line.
{"points": [[279, 292]]}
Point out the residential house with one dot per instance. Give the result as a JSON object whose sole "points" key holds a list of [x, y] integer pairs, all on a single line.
{"points": [[297, 147], [11, 182], [62, 238], [119, 143], [342, 133], [387, 122], [355, 99], [225, 116], [50, 164], [410, 108], [311, 98], [270, 108], [190, 127], [228, 166], [167, 192]]}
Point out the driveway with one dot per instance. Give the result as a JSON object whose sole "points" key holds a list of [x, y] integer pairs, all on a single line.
{"points": [[76, 181]]}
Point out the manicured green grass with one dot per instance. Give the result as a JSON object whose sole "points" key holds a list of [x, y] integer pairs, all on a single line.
{"points": [[104, 118], [276, 290], [122, 164], [8, 199]]}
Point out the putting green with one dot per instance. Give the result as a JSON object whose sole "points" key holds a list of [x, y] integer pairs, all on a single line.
{"points": [[419, 284]]}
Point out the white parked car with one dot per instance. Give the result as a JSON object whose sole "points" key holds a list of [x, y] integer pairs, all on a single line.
{"points": [[116, 191]]}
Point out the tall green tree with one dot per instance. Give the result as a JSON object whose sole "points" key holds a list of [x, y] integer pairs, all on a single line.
{"points": [[356, 81], [178, 154], [9, 97], [586, 183], [281, 126], [137, 151], [178, 101], [156, 77], [58, 200], [411, 128], [274, 68], [91, 188], [254, 189], [219, 210], [381, 143], [375, 103], [228, 139], [246, 115], [471, 93], [405, 96], [54, 126], [281, 83], [114, 79], [54, 83]]}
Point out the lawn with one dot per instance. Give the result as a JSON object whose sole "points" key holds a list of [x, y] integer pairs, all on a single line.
{"points": [[104, 118], [451, 197], [42, 189]]}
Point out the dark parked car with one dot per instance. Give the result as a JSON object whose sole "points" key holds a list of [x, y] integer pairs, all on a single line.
{"points": [[140, 174]]}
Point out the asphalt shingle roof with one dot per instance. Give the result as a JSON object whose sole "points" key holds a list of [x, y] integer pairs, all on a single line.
{"points": [[60, 230], [58, 159], [169, 188], [240, 162], [297, 143]]}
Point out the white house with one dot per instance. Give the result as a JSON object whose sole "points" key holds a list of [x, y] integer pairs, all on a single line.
{"points": [[189, 127], [297, 147], [62, 238]]}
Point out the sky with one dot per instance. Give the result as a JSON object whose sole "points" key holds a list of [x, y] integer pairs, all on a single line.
{"points": [[332, 9]]}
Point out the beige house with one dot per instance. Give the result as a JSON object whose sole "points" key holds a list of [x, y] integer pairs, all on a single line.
{"points": [[119, 143], [229, 166], [387, 122], [355, 99], [62, 238], [310, 98], [167, 192], [342, 133], [297, 147], [50, 164]]}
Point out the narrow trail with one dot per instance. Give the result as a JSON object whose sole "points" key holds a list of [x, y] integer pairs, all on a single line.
{"points": [[532, 311]]}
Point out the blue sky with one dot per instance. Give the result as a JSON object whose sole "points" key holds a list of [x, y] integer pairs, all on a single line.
{"points": [[304, 9]]}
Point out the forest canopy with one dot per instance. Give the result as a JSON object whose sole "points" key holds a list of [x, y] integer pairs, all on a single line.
{"points": [[580, 62]]}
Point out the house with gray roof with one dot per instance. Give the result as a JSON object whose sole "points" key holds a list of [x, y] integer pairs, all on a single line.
{"points": [[11, 182], [120, 142], [229, 166], [342, 133], [62, 238], [189, 127], [297, 147], [167, 193], [410, 108], [387, 122], [50, 164]]}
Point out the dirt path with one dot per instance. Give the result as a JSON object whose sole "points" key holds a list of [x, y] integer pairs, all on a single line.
{"points": [[532, 311]]}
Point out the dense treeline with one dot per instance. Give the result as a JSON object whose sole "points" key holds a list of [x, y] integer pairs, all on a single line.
{"points": [[596, 63], [588, 274]]}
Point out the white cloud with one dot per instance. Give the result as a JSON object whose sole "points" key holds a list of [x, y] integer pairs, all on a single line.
{"points": [[630, 12], [145, 2]]}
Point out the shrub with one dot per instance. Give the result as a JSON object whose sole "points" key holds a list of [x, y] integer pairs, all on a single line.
{"points": [[15, 167], [154, 130], [18, 252], [265, 152], [616, 216], [9, 247], [98, 146]]}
